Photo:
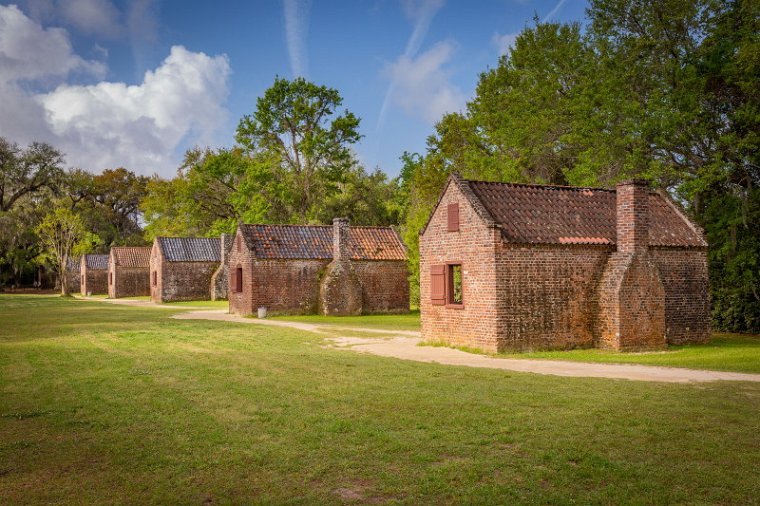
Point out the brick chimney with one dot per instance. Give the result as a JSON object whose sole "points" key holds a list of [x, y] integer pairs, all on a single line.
{"points": [[226, 245], [340, 239], [632, 216]]}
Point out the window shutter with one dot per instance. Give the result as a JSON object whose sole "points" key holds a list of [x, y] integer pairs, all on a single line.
{"points": [[438, 284], [453, 217], [239, 279], [233, 279]]}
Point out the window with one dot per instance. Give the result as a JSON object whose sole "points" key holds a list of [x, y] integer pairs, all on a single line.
{"points": [[452, 217], [239, 279], [110, 278], [454, 276], [155, 278], [446, 285], [82, 279]]}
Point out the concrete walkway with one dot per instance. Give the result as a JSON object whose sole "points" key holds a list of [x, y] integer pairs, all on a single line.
{"points": [[404, 345]]}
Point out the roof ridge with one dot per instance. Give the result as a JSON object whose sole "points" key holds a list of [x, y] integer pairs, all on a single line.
{"points": [[544, 186]]}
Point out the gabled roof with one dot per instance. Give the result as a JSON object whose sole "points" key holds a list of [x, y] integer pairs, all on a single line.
{"points": [[96, 262], [131, 256], [190, 249], [540, 214], [316, 242]]}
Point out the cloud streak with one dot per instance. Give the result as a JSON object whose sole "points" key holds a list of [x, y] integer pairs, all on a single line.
{"points": [[422, 12], [504, 42], [296, 31]]}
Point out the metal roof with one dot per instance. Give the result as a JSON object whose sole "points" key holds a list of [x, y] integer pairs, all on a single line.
{"points": [[96, 262], [190, 249]]}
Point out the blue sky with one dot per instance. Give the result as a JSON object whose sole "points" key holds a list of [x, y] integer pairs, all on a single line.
{"points": [[137, 82]]}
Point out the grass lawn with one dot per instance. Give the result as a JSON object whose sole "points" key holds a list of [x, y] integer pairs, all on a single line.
{"points": [[724, 352], [408, 321], [107, 404]]}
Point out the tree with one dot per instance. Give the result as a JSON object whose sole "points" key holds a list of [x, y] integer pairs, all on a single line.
{"points": [[27, 172], [297, 128], [109, 203], [63, 235]]}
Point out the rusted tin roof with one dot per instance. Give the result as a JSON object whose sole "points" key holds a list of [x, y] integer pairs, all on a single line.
{"points": [[316, 242], [96, 262], [190, 249], [131, 256], [569, 215]]}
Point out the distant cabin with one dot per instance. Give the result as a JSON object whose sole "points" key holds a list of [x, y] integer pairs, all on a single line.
{"points": [[72, 273], [531, 267], [181, 268], [94, 274], [308, 269], [128, 271]]}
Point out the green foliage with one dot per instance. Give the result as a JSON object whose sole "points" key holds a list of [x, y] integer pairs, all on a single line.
{"points": [[297, 129], [109, 204], [63, 236]]}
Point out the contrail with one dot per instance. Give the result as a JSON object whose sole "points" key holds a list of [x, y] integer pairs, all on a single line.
{"points": [[296, 29]]}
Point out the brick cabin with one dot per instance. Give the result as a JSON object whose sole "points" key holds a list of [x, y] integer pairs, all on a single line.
{"points": [[308, 269], [94, 274], [530, 267], [72, 274], [128, 272], [181, 268]]}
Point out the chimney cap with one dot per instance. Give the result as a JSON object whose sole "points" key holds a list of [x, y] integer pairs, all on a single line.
{"points": [[337, 221]]}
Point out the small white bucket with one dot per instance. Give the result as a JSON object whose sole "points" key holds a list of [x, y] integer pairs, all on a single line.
{"points": [[262, 312]]}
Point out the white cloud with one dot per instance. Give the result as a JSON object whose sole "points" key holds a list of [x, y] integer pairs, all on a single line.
{"points": [[140, 126], [29, 51], [504, 42], [296, 31], [99, 17], [422, 84], [107, 124]]}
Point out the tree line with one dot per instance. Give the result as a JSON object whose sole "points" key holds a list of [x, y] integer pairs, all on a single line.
{"points": [[664, 90]]}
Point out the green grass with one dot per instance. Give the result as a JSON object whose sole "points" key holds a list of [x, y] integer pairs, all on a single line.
{"points": [[136, 297], [107, 404], [408, 321], [724, 352]]}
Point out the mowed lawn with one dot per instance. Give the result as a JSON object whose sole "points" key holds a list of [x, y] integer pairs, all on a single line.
{"points": [[106, 404]]}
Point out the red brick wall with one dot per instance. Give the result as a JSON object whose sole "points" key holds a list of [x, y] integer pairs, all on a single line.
{"points": [[687, 298], [547, 295], [95, 281], [127, 282], [474, 245], [385, 286]]}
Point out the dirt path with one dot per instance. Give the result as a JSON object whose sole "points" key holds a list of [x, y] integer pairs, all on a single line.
{"points": [[405, 346]]}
